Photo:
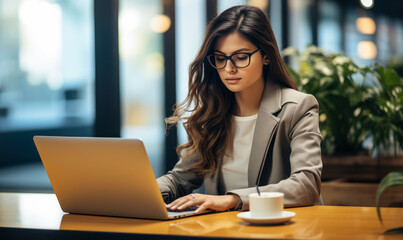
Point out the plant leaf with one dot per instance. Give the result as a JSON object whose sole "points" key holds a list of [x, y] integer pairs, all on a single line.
{"points": [[336, 79], [290, 51], [391, 78], [393, 179]]}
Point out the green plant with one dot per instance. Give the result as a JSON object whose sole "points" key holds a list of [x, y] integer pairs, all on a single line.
{"points": [[393, 179], [356, 103]]}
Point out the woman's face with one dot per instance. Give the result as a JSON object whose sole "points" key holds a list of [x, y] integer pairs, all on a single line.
{"points": [[236, 79]]}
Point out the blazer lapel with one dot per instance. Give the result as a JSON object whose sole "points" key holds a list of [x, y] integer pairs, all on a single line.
{"points": [[266, 126]]}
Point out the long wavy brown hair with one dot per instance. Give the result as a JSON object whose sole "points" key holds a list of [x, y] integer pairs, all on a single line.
{"points": [[208, 109]]}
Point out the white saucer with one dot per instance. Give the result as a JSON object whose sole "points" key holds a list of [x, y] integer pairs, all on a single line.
{"points": [[286, 215]]}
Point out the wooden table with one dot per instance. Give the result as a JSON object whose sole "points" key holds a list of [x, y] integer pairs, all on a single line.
{"points": [[32, 216]]}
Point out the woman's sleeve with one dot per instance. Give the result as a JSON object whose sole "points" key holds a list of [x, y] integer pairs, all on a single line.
{"points": [[179, 181], [303, 186]]}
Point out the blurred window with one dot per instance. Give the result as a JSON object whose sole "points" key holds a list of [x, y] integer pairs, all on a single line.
{"points": [[300, 29], [190, 25], [141, 28], [329, 32], [387, 39], [46, 63], [223, 5], [275, 21], [399, 39], [361, 45]]}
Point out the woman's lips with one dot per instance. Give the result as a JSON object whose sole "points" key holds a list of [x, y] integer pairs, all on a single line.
{"points": [[232, 80]]}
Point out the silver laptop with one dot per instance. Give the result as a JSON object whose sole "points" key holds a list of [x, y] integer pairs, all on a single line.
{"points": [[103, 176]]}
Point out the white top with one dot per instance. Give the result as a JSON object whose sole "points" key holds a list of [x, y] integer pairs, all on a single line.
{"points": [[236, 158]]}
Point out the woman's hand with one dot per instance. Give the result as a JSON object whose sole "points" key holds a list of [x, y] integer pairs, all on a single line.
{"points": [[214, 202]]}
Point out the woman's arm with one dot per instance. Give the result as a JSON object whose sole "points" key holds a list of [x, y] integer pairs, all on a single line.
{"points": [[179, 181], [177, 185]]}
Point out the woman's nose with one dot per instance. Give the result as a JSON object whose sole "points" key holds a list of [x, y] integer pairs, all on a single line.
{"points": [[230, 67]]}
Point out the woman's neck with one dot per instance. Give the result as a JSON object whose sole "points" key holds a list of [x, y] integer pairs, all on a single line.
{"points": [[248, 100]]}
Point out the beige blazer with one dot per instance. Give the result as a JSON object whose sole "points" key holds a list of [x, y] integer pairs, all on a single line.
{"points": [[285, 155]]}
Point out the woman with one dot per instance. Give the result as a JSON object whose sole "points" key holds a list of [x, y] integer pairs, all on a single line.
{"points": [[247, 124]]}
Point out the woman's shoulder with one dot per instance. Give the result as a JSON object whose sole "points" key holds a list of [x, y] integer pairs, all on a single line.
{"points": [[290, 95], [276, 97]]}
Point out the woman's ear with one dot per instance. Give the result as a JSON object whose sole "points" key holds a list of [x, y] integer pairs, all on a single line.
{"points": [[266, 60]]}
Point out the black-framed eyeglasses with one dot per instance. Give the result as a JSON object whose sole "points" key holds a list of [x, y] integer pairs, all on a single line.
{"points": [[239, 60]]}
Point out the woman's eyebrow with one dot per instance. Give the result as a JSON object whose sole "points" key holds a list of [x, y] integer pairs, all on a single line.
{"points": [[239, 50]]}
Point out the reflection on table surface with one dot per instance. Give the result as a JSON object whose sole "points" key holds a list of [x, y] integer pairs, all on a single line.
{"points": [[212, 225], [315, 222]]}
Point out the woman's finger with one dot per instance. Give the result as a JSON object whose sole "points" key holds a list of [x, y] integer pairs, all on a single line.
{"points": [[194, 200], [180, 201], [202, 208], [188, 204], [177, 203]]}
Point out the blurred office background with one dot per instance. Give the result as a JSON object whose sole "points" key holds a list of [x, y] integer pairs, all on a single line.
{"points": [[114, 68]]}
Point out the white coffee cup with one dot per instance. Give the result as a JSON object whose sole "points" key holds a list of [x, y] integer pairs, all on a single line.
{"points": [[267, 204]]}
